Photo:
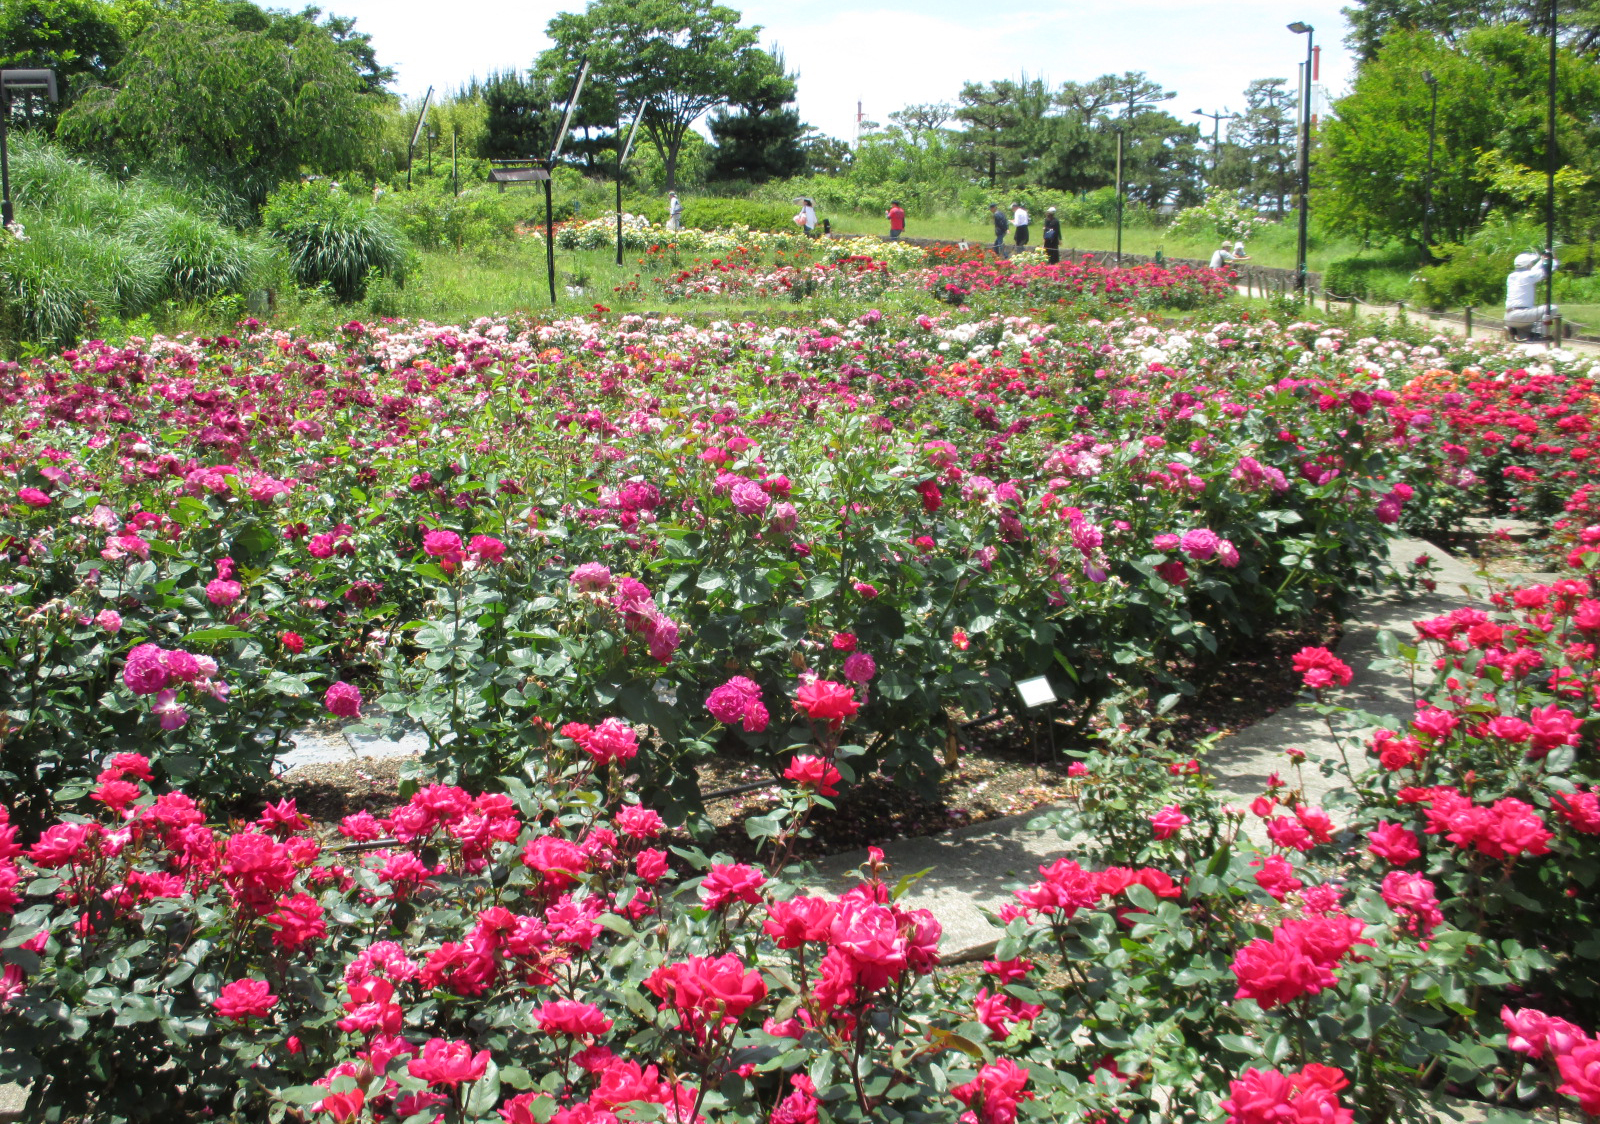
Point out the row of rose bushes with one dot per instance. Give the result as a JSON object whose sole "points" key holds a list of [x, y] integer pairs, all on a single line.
{"points": [[859, 276], [1525, 430], [210, 542], [549, 951], [1144, 286]]}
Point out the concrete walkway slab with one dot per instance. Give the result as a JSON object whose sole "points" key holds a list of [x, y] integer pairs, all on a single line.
{"points": [[969, 869]]}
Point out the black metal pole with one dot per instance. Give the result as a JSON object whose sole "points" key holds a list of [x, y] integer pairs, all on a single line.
{"points": [[1427, 202], [1119, 198], [1550, 177], [5, 163], [550, 233], [620, 143], [1305, 173]]}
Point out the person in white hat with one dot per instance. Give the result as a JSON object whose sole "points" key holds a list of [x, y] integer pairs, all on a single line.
{"points": [[1052, 236], [1523, 309], [1223, 256]]}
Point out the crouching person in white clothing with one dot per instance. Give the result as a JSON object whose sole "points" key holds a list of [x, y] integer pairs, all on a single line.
{"points": [[1525, 317]]}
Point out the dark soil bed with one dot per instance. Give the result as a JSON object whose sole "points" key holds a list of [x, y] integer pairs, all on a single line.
{"points": [[1001, 769]]}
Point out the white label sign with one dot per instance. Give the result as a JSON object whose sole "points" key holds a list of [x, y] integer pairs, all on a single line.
{"points": [[1035, 692]]}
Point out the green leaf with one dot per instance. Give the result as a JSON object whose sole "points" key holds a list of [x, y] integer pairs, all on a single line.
{"points": [[217, 633]]}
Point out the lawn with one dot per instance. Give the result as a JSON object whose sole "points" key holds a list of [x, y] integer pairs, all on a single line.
{"points": [[1275, 246]]}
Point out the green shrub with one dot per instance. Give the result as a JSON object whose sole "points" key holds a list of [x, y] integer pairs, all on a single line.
{"points": [[718, 214], [333, 237], [1474, 271], [1466, 276], [199, 258]]}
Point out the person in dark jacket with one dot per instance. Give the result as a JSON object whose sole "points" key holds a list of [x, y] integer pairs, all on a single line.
{"points": [[1052, 236], [1001, 223]]}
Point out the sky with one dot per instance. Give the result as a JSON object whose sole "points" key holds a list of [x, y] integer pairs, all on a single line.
{"points": [[887, 53]]}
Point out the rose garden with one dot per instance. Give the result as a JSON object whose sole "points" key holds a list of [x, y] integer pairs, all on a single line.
{"points": [[582, 556]]}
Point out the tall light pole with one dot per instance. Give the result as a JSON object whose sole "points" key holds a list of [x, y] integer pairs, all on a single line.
{"points": [[1550, 181], [14, 82], [550, 167], [1302, 28], [1427, 197], [1120, 132], [622, 158], [1216, 134]]}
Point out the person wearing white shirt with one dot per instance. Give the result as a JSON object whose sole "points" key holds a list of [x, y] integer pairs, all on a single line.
{"points": [[1019, 224], [1223, 256], [1522, 291], [674, 212]]}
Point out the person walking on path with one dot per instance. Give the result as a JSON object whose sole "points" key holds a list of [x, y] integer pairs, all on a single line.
{"points": [[1052, 236], [1000, 225], [806, 220], [674, 212], [897, 221], [1019, 219]]}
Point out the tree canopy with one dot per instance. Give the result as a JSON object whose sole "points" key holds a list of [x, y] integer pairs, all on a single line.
{"points": [[78, 39], [1370, 173], [678, 59], [245, 106]]}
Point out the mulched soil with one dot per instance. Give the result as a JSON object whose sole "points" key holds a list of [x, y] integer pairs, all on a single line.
{"points": [[1002, 769]]}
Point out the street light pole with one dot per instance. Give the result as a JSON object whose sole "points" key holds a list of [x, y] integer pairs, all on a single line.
{"points": [[622, 158], [1216, 134], [1550, 181], [1427, 204], [1119, 195], [1302, 28]]}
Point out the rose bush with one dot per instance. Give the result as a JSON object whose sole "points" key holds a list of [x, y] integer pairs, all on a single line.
{"points": [[406, 510], [550, 952]]}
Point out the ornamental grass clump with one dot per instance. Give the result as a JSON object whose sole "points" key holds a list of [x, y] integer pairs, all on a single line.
{"points": [[333, 238]]}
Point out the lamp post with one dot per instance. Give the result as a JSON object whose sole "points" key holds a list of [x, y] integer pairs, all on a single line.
{"points": [[1301, 28], [1119, 195], [1216, 133], [1550, 182], [550, 168], [622, 158], [14, 82], [1427, 190]]}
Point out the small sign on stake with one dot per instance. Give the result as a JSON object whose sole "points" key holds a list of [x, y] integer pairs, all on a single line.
{"points": [[1035, 692]]}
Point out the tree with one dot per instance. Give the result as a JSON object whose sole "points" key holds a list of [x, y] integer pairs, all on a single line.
{"points": [[679, 59], [247, 109], [78, 39], [518, 117], [762, 140], [923, 119], [1265, 140], [990, 140], [1371, 21], [825, 155], [1162, 161], [1371, 169]]}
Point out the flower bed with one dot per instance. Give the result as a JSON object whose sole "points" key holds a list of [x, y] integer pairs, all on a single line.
{"points": [[1140, 286], [1520, 435], [212, 542], [542, 953], [859, 276]]}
